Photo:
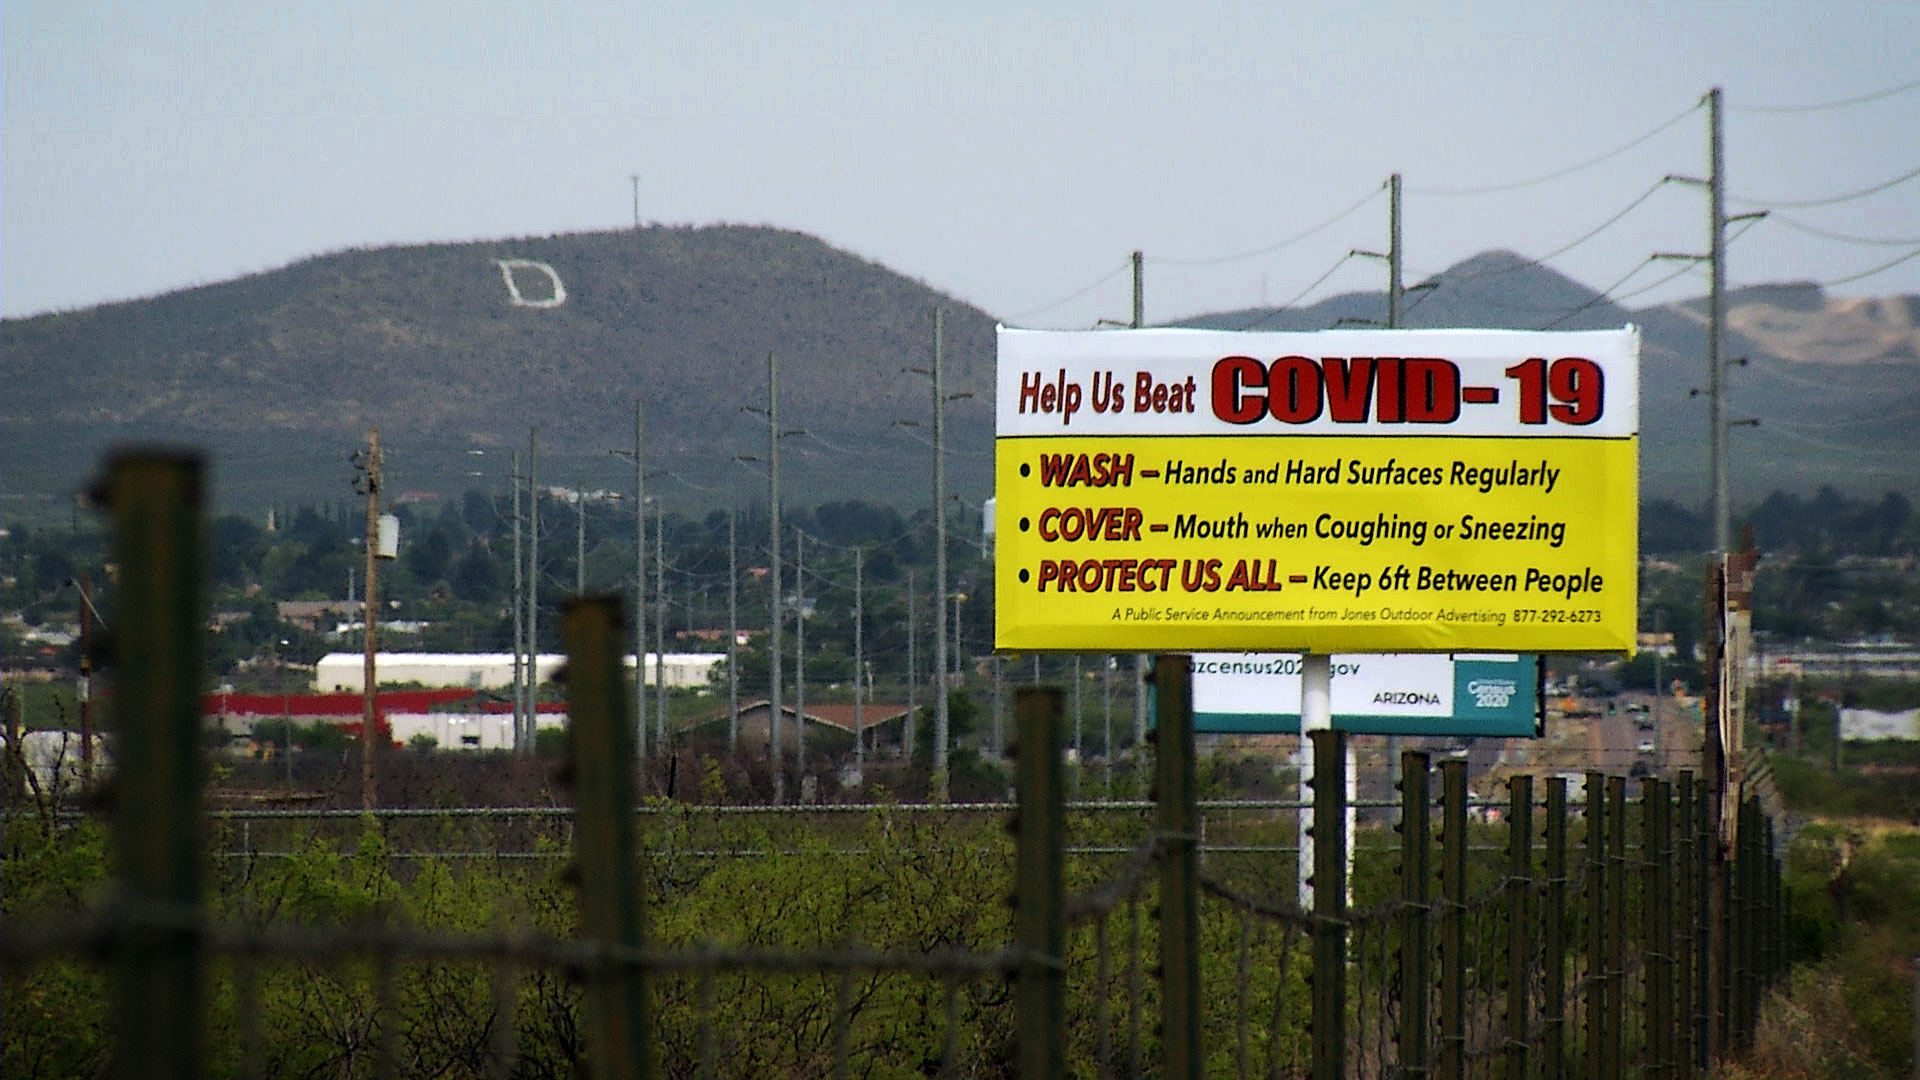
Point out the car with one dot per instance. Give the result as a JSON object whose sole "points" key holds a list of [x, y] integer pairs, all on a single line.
{"points": [[1645, 747], [1645, 723]]}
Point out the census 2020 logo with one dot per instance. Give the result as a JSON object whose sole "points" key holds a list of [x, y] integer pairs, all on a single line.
{"points": [[1492, 693]]}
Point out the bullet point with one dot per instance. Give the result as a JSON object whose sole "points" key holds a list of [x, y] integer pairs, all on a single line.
{"points": [[1023, 575], [1026, 470], [1023, 524]]}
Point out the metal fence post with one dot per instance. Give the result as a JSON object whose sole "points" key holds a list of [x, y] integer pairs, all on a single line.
{"points": [[1038, 891], [1596, 859], [1656, 886], [1416, 890], [1519, 924], [1329, 905], [1179, 817], [1687, 937], [603, 763], [1555, 1006], [1706, 1001], [1614, 1044], [1777, 931], [1453, 928], [157, 505], [1752, 904]]}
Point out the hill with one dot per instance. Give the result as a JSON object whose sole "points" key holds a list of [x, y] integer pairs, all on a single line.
{"points": [[1834, 383], [455, 350], [281, 373]]}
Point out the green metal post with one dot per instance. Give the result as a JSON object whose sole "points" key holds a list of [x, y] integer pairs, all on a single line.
{"points": [[159, 542], [1614, 1042], [1453, 929], [1596, 854], [1687, 937], [1038, 892], [1735, 935], [1776, 935], [1738, 901], [1706, 829], [1179, 817], [1519, 919], [1655, 888], [1756, 912], [1416, 889], [1329, 905], [601, 746], [1555, 1005]]}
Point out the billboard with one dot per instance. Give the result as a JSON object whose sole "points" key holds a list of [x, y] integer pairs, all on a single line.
{"points": [[1496, 694], [1333, 492]]}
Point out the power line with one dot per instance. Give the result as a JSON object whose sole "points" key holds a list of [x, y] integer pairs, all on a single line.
{"points": [[1102, 280], [1890, 264], [1559, 173], [1443, 279], [1606, 294], [1772, 369], [1650, 286], [1824, 234], [1840, 104], [1853, 452], [1276, 245], [1855, 420], [1792, 204], [1297, 297]]}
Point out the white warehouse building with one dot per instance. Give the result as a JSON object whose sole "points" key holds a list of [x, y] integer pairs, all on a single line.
{"points": [[345, 672]]}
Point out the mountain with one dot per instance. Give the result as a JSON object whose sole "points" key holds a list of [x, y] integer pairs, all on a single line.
{"points": [[278, 375], [281, 373], [1834, 383]]}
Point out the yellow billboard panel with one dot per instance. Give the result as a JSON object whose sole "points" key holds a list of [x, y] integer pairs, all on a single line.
{"points": [[1183, 492]]}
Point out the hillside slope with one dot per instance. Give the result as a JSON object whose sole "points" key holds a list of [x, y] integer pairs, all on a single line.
{"points": [[281, 373], [1834, 383], [278, 375]]}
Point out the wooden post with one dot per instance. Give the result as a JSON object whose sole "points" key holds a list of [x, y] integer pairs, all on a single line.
{"points": [[1039, 892], [159, 543], [601, 748]]}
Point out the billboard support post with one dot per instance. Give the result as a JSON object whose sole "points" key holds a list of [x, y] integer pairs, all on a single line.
{"points": [[1316, 714]]}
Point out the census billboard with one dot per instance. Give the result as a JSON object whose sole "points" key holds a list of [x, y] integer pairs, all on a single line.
{"points": [[1493, 694], [1334, 492]]}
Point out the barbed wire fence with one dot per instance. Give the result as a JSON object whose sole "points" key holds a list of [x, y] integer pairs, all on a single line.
{"points": [[1524, 937]]}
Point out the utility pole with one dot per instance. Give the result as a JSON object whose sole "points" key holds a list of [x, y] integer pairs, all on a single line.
{"points": [[1659, 672], [1717, 325], [1106, 724], [1079, 745], [999, 706], [1394, 298], [776, 752], [659, 626], [1394, 265], [733, 638], [85, 693], [636, 200], [580, 543], [533, 588], [519, 618], [940, 733], [800, 653], [1142, 662], [959, 647], [639, 560], [911, 728], [859, 669], [370, 622]]}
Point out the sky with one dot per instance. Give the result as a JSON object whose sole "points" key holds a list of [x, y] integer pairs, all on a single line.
{"points": [[1011, 155]]}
